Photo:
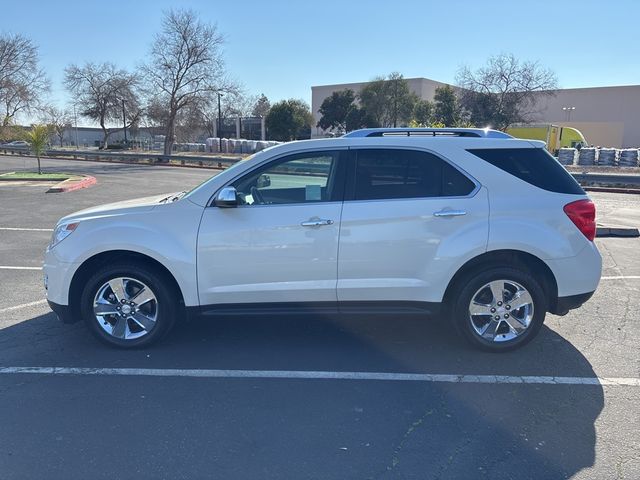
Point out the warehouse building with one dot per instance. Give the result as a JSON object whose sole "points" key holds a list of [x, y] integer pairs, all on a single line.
{"points": [[606, 116]]}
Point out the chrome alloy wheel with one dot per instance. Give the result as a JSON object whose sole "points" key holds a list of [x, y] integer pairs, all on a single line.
{"points": [[125, 308], [501, 310]]}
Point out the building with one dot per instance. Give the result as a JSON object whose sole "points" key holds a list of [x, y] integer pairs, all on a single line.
{"points": [[606, 116]]}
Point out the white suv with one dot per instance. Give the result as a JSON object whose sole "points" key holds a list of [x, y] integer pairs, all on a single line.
{"points": [[473, 224]]}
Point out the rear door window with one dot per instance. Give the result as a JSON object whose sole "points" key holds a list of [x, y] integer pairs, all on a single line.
{"points": [[533, 165], [395, 173]]}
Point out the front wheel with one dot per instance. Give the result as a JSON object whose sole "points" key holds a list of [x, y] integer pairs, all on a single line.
{"points": [[128, 305], [499, 309]]}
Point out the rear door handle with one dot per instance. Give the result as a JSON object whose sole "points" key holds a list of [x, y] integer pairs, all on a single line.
{"points": [[317, 222], [449, 213]]}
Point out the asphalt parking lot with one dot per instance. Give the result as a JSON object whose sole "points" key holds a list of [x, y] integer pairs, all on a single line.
{"points": [[308, 398]]}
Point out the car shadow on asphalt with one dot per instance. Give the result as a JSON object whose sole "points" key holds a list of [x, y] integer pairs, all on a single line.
{"points": [[541, 431]]}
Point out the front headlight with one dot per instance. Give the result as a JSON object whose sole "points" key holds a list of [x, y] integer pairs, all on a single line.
{"points": [[61, 232]]}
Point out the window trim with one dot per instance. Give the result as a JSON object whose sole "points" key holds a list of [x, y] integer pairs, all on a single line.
{"points": [[343, 165], [350, 189]]}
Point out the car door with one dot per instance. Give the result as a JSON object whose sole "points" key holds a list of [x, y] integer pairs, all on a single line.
{"points": [[409, 217], [280, 244]]}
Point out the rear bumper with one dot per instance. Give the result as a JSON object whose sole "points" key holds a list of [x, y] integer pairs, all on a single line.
{"points": [[579, 274], [63, 312], [564, 304]]}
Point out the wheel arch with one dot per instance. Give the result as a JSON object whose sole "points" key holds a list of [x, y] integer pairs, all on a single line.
{"points": [[98, 260], [513, 258]]}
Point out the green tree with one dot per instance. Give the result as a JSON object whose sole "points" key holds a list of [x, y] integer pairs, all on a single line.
{"points": [[422, 113], [289, 120], [388, 101], [447, 108], [357, 118], [335, 108], [401, 99], [38, 137], [373, 100]]}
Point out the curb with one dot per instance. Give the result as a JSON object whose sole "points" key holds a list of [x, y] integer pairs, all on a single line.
{"points": [[603, 232], [71, 184], [26, 179], [612, 189]]}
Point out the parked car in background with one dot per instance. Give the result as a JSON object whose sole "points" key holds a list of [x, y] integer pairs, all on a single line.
{"points": [[18, 144], [472, 224]]}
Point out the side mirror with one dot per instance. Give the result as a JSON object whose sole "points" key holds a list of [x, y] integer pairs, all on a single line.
{"points": [[263, 181], [226, 198]]}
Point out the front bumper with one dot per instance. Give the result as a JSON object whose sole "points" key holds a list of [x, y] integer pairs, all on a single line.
{"points": [[63, 312], [57, 278]]}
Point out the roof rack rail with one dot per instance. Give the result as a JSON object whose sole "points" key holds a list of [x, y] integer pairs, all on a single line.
{"points": [[428, 132]]}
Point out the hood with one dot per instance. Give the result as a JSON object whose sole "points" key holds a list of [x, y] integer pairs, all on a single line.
{"points": [[118, 208]]}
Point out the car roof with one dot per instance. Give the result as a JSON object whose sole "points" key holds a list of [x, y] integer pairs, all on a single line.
{"points": [[403, 142], [430, 132]]}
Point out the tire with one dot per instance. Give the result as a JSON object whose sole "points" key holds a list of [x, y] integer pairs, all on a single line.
{"points": [[147, 314], [507, 327]]}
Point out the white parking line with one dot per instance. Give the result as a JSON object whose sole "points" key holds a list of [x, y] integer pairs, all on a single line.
{"points": [[322, 375], [24, 305], [9, 267], [622, 277], [17, 229]]}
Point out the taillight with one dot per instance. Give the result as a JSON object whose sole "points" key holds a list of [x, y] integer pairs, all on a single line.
{"points": [[583, 214]]}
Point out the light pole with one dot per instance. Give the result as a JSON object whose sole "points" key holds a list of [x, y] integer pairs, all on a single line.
{"points": [[219, 123], [568, 110], [124, 123]]}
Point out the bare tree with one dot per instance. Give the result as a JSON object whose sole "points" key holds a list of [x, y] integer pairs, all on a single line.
{"points": [[104, 94], [59, 120], [22, 81], [261, 107], [185, 66], [505, 91]]}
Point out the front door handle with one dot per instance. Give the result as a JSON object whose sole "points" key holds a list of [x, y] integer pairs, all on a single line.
{"points": [[449, 213], [317, 222]]}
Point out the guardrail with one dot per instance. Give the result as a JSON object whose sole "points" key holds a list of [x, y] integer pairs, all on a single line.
{"points": [[126, 156], [607, 179]]}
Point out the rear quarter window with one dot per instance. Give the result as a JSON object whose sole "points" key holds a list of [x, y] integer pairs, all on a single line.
{"points": [[533, 165]]}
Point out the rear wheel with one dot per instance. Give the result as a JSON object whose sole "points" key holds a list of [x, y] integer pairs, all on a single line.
{"points": [[499, 309], [128, 305]]}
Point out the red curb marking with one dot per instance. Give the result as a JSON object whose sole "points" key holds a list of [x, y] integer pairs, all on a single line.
{"points": [[84, 183]]}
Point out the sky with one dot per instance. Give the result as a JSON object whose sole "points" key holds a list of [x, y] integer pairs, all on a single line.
{"points": [[282, 48]]}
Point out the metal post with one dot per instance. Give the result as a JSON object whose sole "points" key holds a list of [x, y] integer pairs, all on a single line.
{"points": [[263, 130], [124, 122], [75, 117], [219, 124]]}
